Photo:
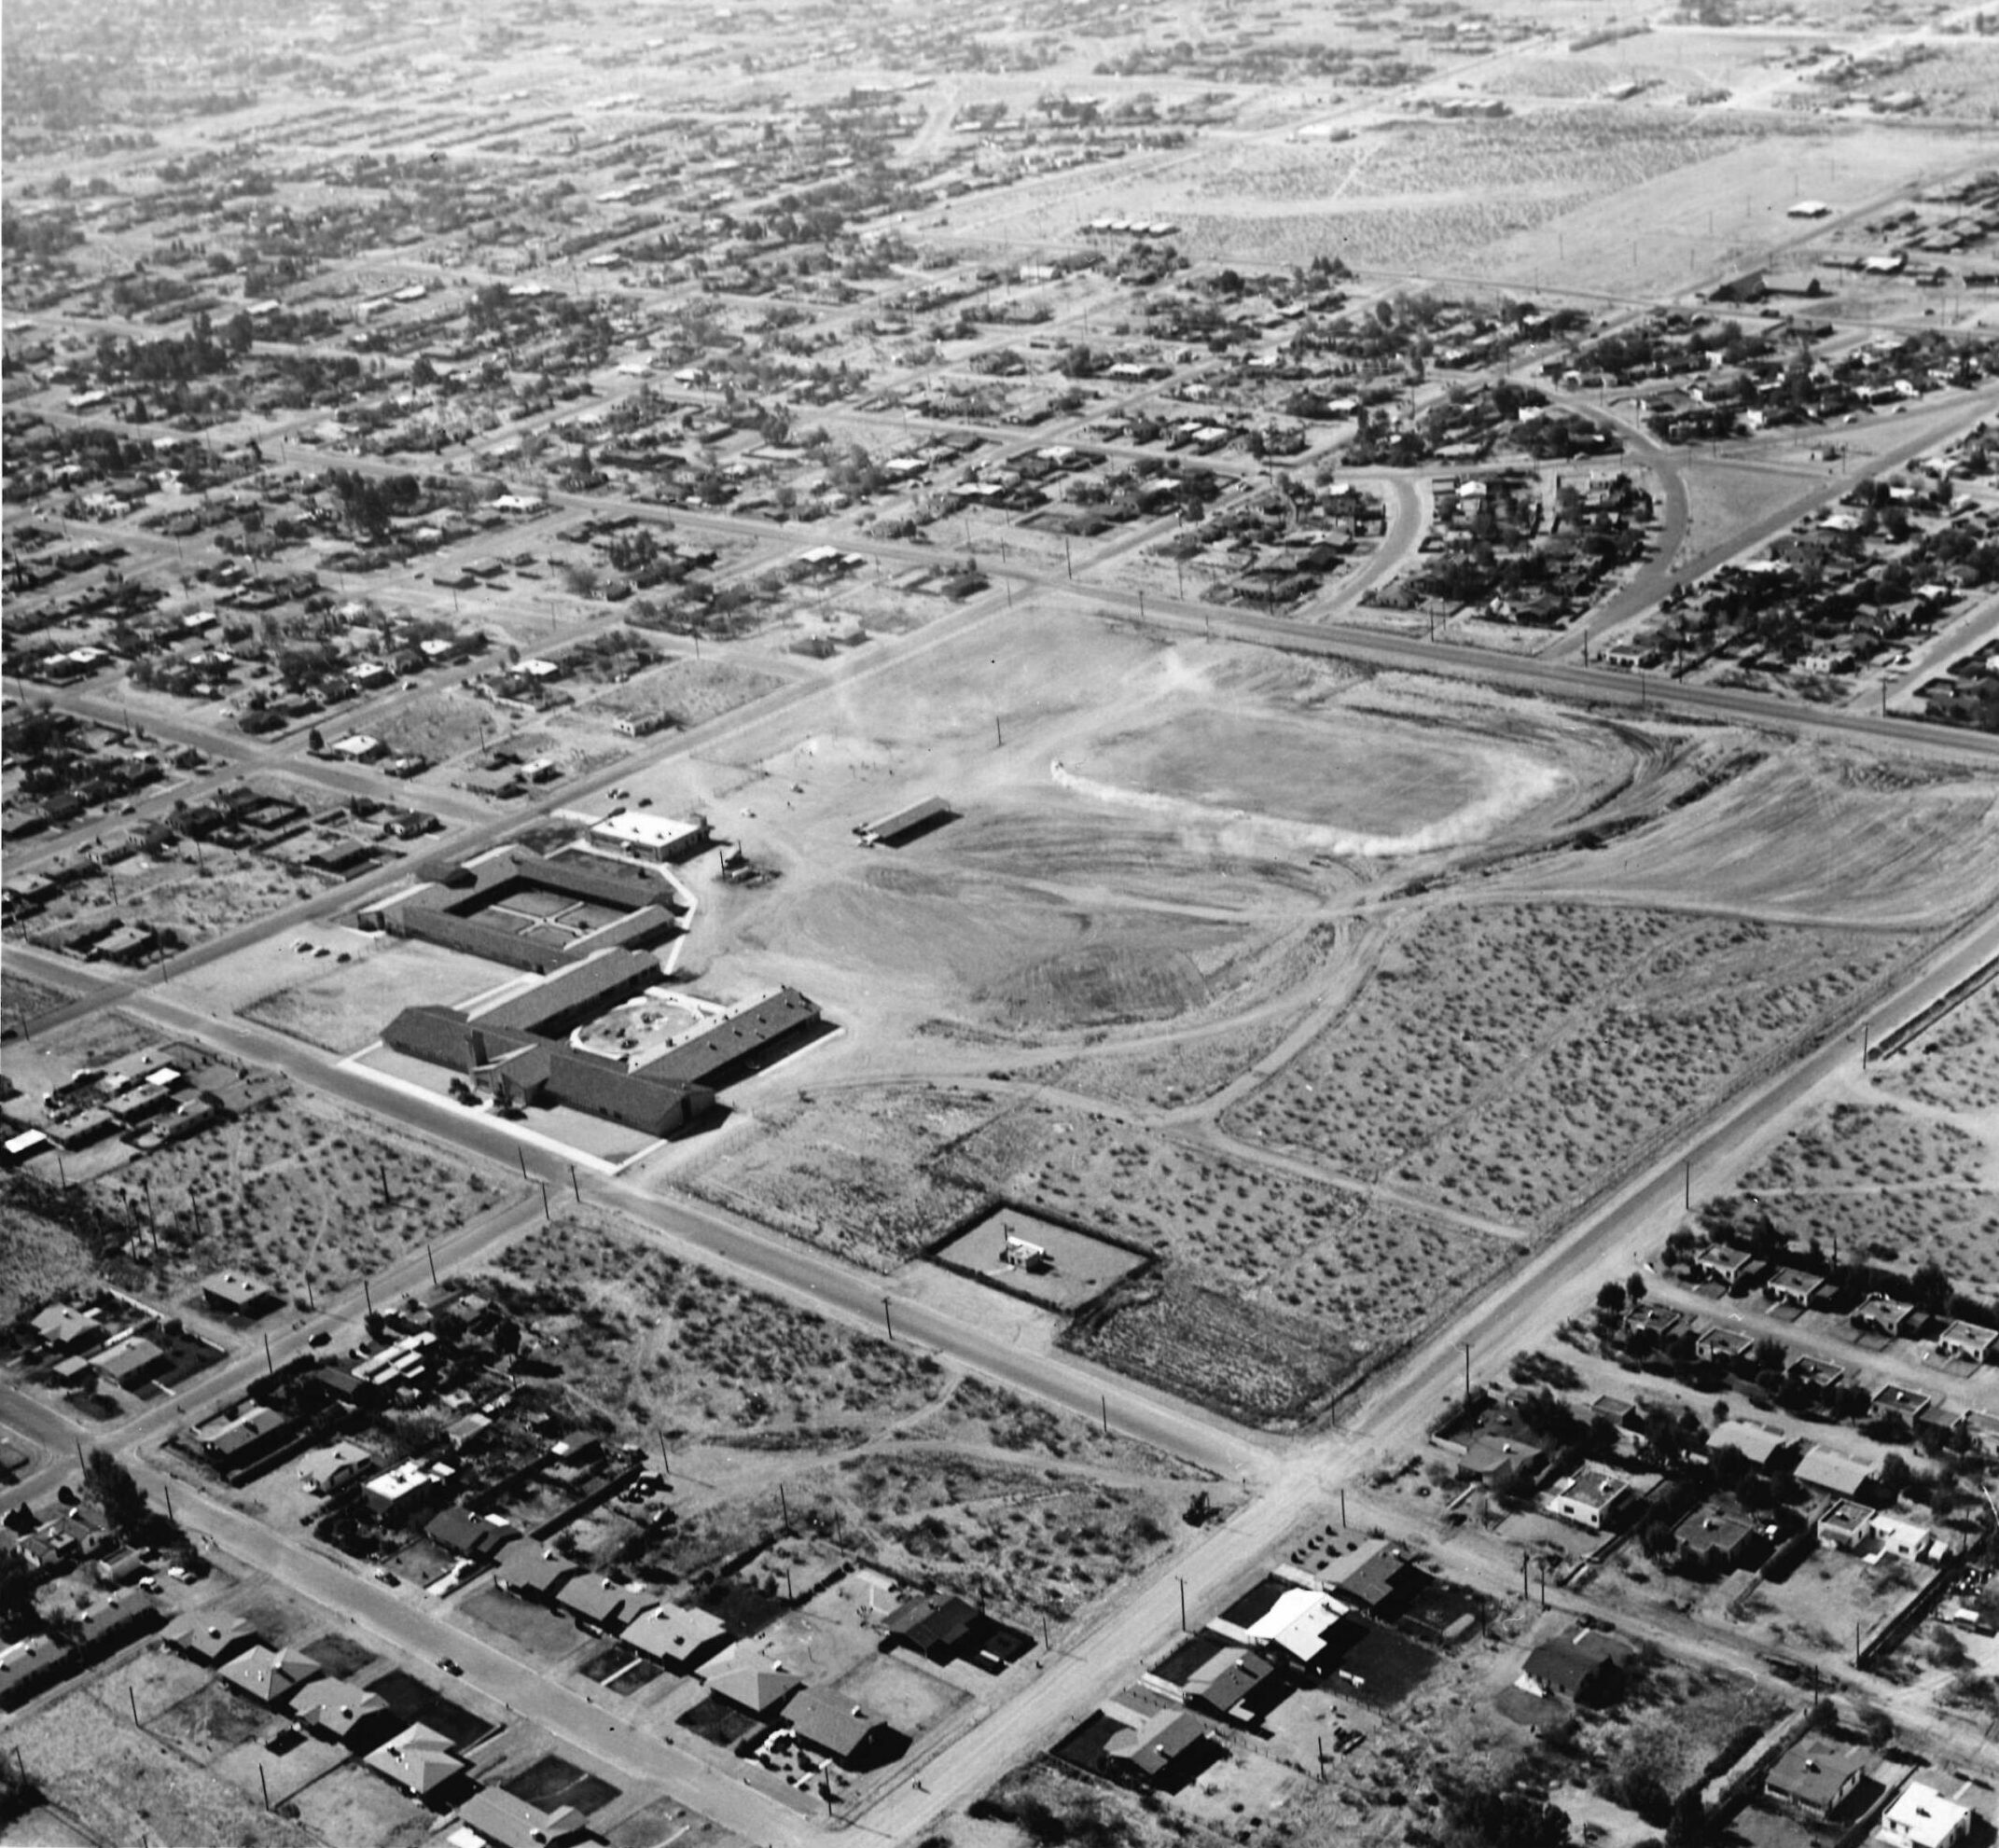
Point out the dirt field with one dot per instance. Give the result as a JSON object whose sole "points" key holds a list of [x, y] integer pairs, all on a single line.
{"points": [[196, 904], [1795, 834], [1509, 1058], [850, 1168], [297, 1190], [343, 1006], [23, 998], [1955, 1065], [877, 1448], [439, 724], [693, 690], [122, 1784]]}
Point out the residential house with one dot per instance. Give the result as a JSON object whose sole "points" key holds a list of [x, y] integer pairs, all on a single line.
{"points": [[1762, 1444], [270, 1675], [1922, 1816], [506, 1821], [1967, 1340], [1836, 1473], [208, 1640], [1885, 1315], [1800, 1289], [1586, 1668], [342, 1711], [418, 1761], [1235, 1684], [1846, 1523], [598, 1604], [832, 1726], [1589, 1497], [1723, 1264], [1717, 1537], [679, 1637], [1162, 1751], [526, 1569], [753, 1688], [1816, 1778]]}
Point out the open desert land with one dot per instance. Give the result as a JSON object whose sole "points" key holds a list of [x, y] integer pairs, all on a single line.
{"points": [[308, 1192], [1895, 1166], [771, 1413]]}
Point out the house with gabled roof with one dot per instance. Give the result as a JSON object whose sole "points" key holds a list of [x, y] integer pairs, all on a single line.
{"points": [[529, 1570], [506, 1821], [676, 1635], [209, 1640], [270, 1675], [836, 1728], [342, 1710], [751, 1687], [597, 1603], [418, 1761]]}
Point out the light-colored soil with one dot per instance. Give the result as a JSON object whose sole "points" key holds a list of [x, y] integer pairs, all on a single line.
{"points": [[195, 903], [343, 1006], [1955, 1065], [693, 690], [1510, 1059], [122, 1784], [849, 1168], [295, 1190], [1801, 834], [876, 1447], [439, 724]]}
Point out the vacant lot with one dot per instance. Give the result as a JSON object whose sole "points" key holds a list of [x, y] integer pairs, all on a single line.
{"points": [[1955, 1065], [692, 690], [439, 724], [349, 984], [24, 998], [874, 1446], [659, 1345], [1510, 1057], [124, 1786], [851, 1169], [193, 903], [299, 1189]]}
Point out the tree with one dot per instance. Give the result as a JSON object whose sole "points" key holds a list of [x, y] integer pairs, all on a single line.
{"points": [[127, 1511], [1930, 1290], [1687, 1826], [17, 1594], [1610, 1303]]}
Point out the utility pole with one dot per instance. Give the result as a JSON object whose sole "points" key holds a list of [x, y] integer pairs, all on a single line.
{"points": [[1467, 1346], [888, 1320], [1182, 1583]]}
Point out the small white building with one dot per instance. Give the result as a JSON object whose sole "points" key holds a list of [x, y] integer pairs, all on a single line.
{"points": [[639, 836], [1924, 1817]]}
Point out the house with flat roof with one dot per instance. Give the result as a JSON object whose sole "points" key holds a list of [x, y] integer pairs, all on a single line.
{"points": [[1967, 1340], [1800, 1289], [1717, 1537], [1761, 1444], [1922, 1816], [1589, 1498]]}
